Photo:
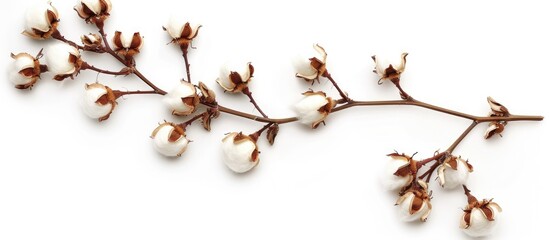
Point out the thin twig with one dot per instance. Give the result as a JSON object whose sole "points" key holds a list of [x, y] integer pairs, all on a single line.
{"points": [[190, 121], [187, 65], [462, 136], [57, 35], [258, 133], [341, 93], [248, 93], [86, 66], [138, 92]]}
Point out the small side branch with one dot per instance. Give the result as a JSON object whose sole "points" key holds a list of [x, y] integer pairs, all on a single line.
{"points": [[462, 136], [341, 93], [187, 65], [248, 93]]}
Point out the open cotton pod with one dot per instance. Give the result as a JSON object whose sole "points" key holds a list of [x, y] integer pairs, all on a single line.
{"points": [[91, 40], [93, 11], [24, 70], [398, 171], [234, 78], [41, 20], [241, 152], [98, 101], [63, 60], [169, 139], [312, 67], [182, 99], [415, 203], [479, 218], [314, 108], [453, 172], [181, 32], [127, 44], [389, 65]]}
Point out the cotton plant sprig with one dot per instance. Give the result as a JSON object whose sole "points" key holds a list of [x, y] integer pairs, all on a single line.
{"points": [[405, 175]]}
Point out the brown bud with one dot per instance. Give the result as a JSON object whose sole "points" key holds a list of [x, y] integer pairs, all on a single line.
{"points": [[494, 128], [271, 133], [207, 117], [208, 95], [497, 108]]}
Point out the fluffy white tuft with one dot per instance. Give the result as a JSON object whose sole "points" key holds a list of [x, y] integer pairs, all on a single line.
{"points": [[307, 109], [404, 210], [238, 157], [57, 58], [480, 226], [164, 146], [89, 105], [174, 97], [21, 61], [389, 180], [36, 17]]}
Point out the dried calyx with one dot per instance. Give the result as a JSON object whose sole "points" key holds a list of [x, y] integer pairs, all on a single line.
{"points": [[497, 110]]}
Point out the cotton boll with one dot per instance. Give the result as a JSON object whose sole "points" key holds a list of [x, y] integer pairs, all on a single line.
{"points": [[241, 152], [98, 102], [170, 140], [63, 60], [182, 99], [314, 108]]}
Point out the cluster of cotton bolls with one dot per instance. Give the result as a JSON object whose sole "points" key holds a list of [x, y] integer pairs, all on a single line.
{"points": [[414, 202], [64, 60]]}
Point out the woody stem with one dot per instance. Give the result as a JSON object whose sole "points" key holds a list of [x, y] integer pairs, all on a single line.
{"points": [[462, 136], [341, 93], [138, 92], [185, 51], [57, 35], [403, 94], [433, 158], [248, 93], [86, 66], [190, 121], [408, 102], [439, 158], [256, 135], [430, 172]]}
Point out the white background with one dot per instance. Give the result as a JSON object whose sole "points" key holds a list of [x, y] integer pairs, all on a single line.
{"points": [[64, 176]]}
